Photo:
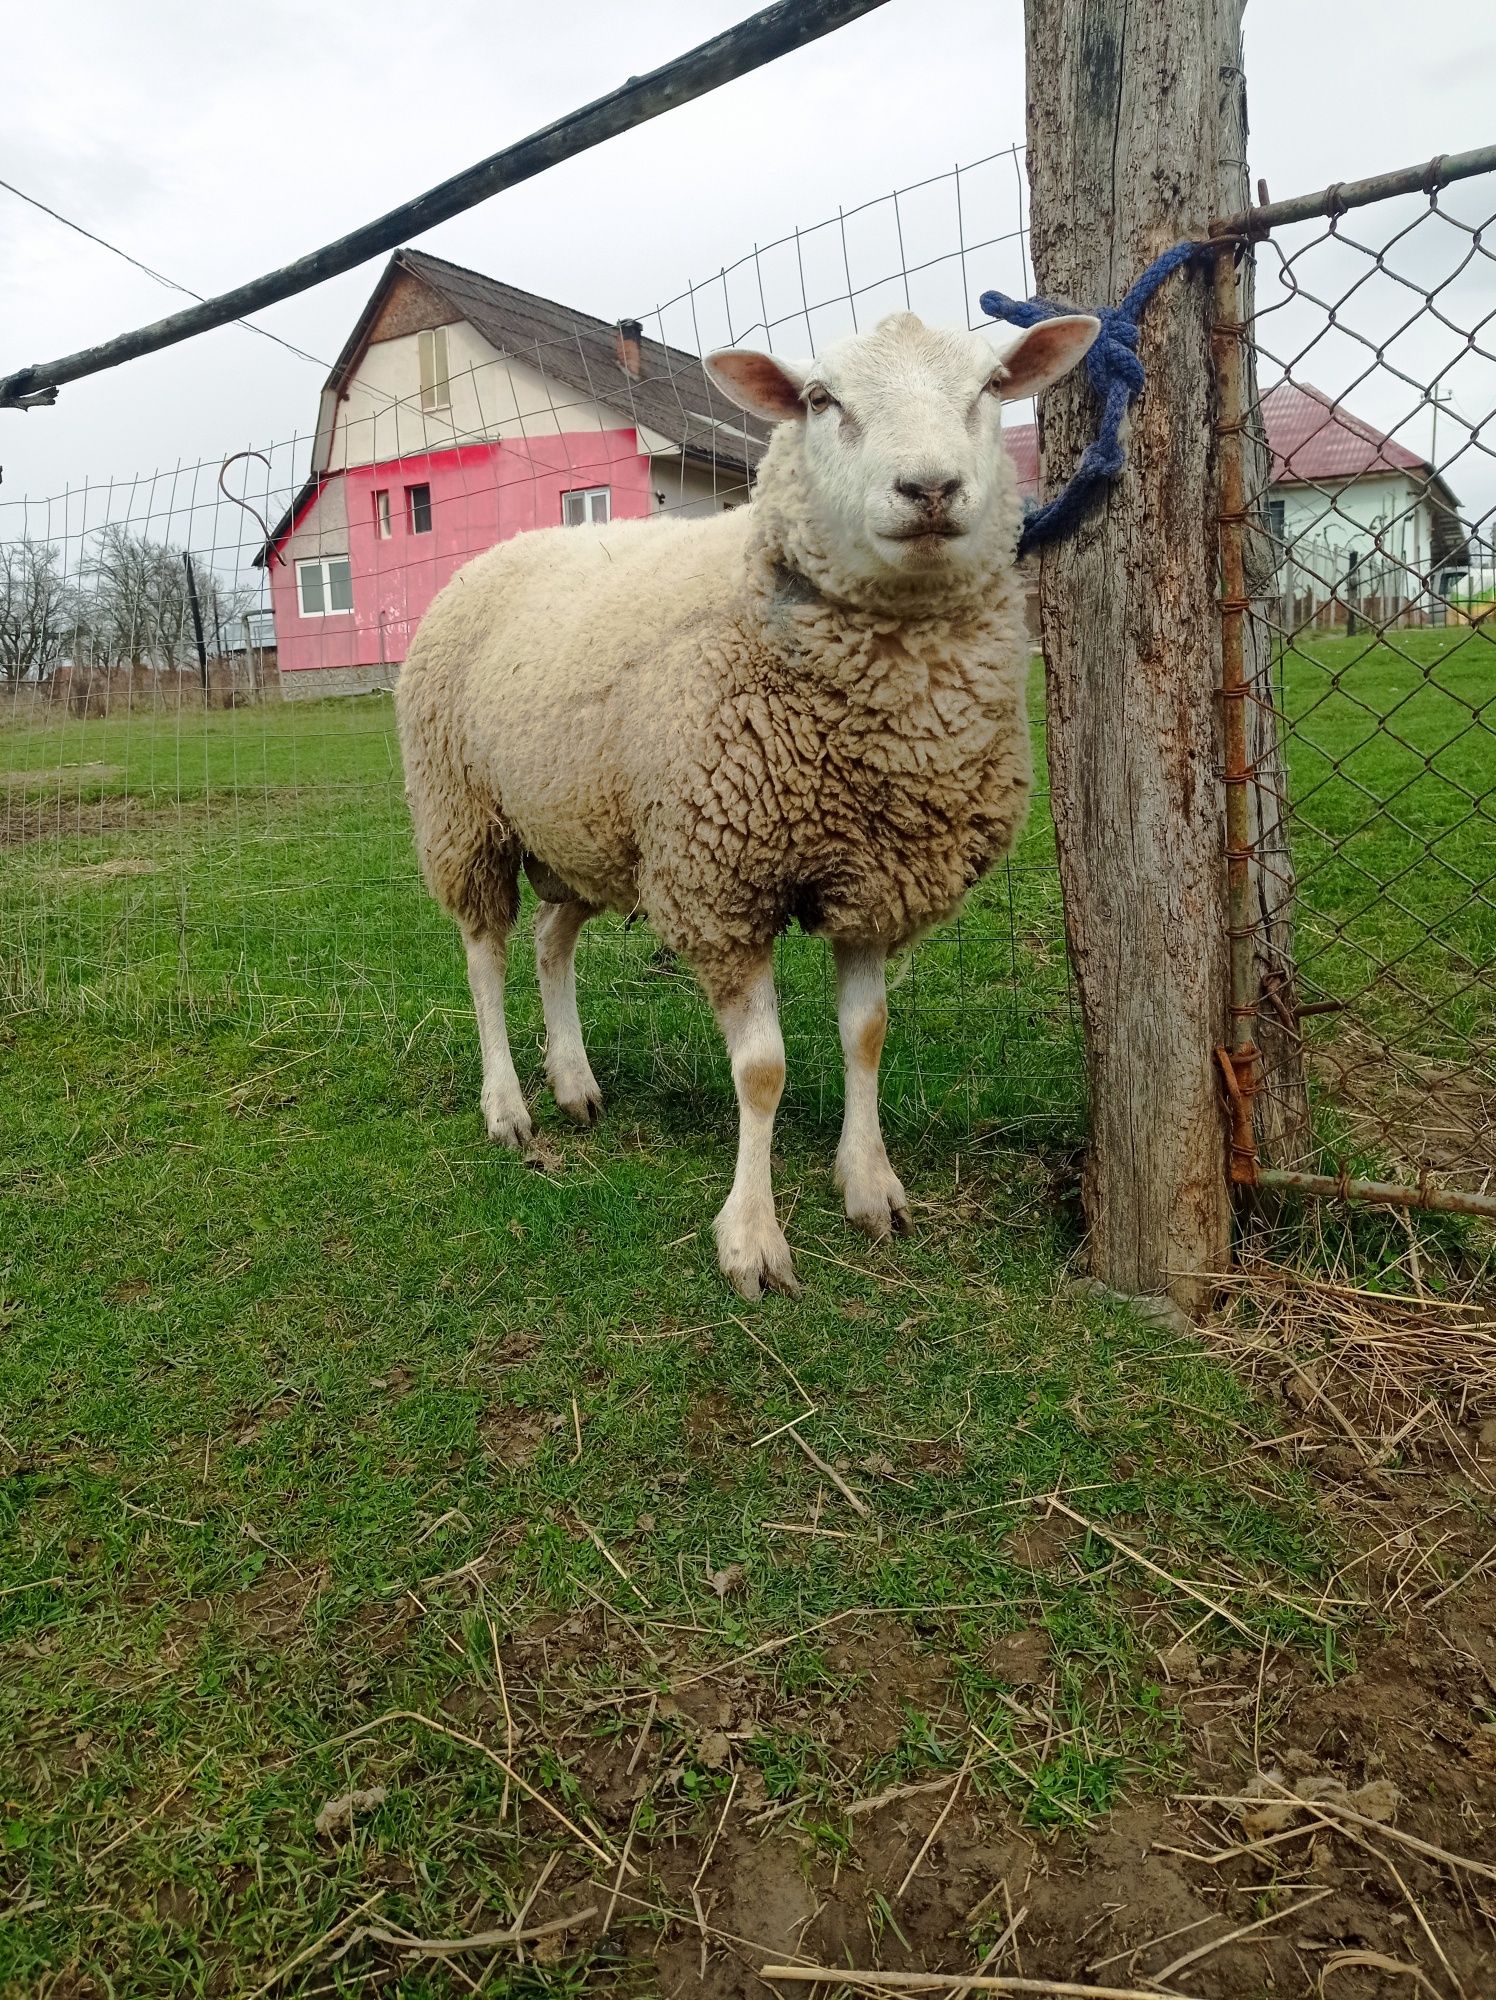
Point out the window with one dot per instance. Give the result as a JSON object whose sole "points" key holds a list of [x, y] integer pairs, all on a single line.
{"points": [[418, 509], [435, 390], [382, 514], [591, 503], [1275, 512], [324, 585]]}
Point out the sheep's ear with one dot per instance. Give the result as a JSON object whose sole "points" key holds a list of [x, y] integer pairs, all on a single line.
{"points": [[1045, 353], [758, 383]]}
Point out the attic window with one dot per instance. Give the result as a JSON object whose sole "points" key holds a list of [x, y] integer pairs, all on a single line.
{"points": [[435, 389]]}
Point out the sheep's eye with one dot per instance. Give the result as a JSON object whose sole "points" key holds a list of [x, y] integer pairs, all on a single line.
{"points": [[994, 386], [818, 399]]}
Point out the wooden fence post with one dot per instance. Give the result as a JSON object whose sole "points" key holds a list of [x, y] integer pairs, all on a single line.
{"points": [[1130, 114]]}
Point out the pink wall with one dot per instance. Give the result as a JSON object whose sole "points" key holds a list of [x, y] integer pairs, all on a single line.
{"points": [[480, 494]]}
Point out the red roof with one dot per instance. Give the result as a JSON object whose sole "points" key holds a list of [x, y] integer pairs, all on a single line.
{"points": [[1312, 440]]}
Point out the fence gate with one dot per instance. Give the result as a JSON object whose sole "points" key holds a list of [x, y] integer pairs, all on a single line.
{"points": [[1358, 603]]}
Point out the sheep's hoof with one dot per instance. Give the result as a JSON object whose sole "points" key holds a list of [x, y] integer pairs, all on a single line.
{"points": [[508, 1123], [754, 1255], [579, 1099], [878, 1206]]}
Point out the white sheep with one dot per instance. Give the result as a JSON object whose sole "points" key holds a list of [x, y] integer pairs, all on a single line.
{"points": [[811, 707]]}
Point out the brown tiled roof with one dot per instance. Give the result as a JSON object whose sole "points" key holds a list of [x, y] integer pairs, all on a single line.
{"points": [[671, 395]]}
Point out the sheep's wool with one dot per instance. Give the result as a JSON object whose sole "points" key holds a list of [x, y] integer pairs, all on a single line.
{"points": [[706, 722]]}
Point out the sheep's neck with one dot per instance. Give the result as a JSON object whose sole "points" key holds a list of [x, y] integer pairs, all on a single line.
{"points": [[874, 658]]}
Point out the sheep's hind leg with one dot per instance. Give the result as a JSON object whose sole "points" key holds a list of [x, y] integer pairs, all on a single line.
{"points": [[504, 1110], [874, 1194], [557, 929], [750, 1243]]}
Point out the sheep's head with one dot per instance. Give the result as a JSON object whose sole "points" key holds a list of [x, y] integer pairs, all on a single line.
{"points": [[897, 443]]}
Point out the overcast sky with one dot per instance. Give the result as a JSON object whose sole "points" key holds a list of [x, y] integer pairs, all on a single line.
{"points": [[216, 141]]}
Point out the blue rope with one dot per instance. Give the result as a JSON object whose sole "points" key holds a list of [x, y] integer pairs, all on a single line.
{"points": [[1116, 375]]}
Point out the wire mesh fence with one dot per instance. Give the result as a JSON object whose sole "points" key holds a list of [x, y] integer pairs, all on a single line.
{"points": [[202, 811], [203, 808], [1373, 614]]}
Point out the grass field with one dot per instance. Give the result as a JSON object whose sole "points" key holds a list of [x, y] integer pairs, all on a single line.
{"points": [[1393, 778], [325, 1430]]}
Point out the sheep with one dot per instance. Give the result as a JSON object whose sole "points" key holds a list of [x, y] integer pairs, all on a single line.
{"points": [[808, 708]]}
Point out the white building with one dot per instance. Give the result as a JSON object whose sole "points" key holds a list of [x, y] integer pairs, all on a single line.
{"points": [[1367, 530]]}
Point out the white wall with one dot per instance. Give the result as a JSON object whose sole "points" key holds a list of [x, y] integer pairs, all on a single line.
{"points": [[686, 488], [381, 417], [323, 529], [1387, 510], [1385, 521]]}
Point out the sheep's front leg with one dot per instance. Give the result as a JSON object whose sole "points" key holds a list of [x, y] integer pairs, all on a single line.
{"points": [[750, 1244], [557, 929], [874, 1194], [504, 1110]]}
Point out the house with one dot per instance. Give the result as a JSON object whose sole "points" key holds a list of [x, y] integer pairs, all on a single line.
{"points": [[461, 411], [1364, 526]]}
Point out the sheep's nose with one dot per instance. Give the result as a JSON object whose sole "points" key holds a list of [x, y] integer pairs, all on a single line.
{"points": [[928, 492]]}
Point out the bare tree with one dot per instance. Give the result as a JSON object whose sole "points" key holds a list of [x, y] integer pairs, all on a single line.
{"points": [[135, 611], [34, 620]]}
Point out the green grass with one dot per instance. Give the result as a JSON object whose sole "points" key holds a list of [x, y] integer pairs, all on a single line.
{"points": [[283, 1340], [285, 1349], [283, 884], [1393, 778]]}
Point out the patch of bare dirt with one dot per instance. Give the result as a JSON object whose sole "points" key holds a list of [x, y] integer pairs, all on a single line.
{"points": [[24, 821], [512, 1436], [1039, 1542], [1415, 1111], [59, 778], [121, 866], [1023, 1659], [713, 1421], [1332, 1837], [270, 1611]]}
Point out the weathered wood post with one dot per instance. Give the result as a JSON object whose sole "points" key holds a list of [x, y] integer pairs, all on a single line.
{"points": [[1135, 130]]}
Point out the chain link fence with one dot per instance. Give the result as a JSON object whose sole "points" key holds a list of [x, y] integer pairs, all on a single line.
{"points": [[1360, 633]]}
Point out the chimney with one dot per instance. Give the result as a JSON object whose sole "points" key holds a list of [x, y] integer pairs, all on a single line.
{"points": [[630, 355]]}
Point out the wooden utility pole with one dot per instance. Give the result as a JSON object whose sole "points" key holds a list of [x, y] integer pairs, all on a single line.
{"points": [[1135, 129]]}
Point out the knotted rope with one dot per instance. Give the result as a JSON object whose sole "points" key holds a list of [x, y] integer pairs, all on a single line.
{"points": [[1117, 377]]}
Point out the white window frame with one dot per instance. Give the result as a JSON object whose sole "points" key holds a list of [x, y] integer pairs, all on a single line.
{"points": [[595, 510], [420, 486], [384, 526], [323, 565], [436, 383]]}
